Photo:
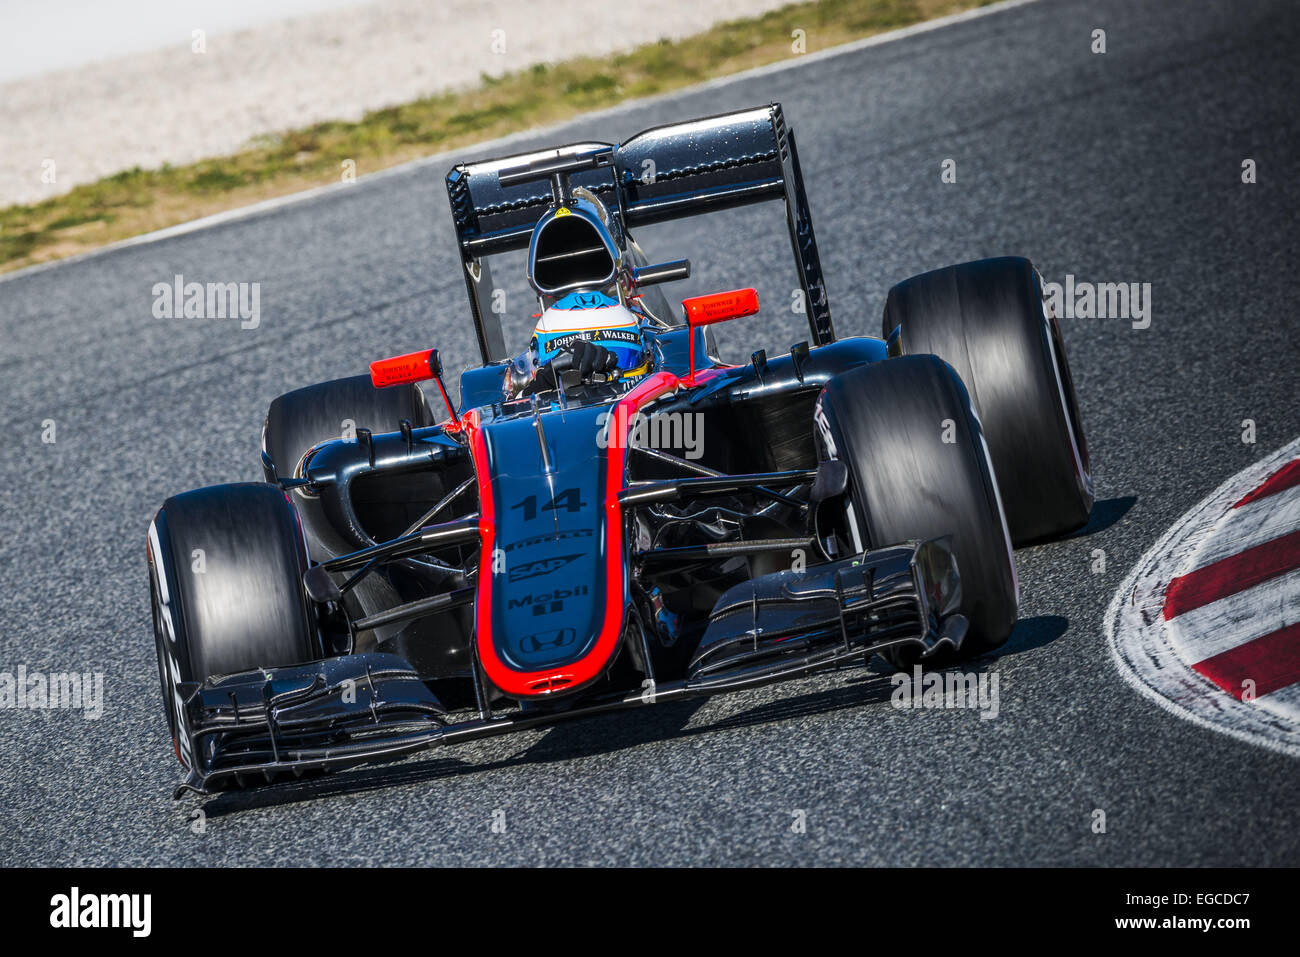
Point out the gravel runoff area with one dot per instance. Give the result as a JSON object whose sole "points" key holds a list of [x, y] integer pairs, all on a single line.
{"points": [[176, 106]]}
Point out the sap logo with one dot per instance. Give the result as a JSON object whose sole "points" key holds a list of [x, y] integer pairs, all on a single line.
{"points": [[531, 644], [549, 602], [542, 566]]}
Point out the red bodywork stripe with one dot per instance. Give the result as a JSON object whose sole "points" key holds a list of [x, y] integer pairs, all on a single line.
{"points": [[524, 684]]}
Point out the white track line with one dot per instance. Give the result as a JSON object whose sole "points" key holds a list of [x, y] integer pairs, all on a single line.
{"points": [[1140, 643], [487, 146]]}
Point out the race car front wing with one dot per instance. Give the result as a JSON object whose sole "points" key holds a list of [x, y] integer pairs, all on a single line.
{"points": [[265, 725]]}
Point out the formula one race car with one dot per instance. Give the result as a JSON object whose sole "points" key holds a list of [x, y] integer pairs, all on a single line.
{"points": [[615, 517]]}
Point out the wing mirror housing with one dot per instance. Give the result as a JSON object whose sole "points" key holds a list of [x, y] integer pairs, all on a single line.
{"points": [[717, 307], [400, 370], [409, 368]]}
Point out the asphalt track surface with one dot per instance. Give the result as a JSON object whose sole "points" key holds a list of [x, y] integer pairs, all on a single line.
{"points": [[1116, 167]]}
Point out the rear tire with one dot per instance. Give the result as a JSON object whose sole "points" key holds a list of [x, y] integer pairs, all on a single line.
{"points": [[987, 319], [919, 469], [226, 566]]}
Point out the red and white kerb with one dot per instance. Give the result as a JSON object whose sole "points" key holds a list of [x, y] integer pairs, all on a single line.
{"points": [[1208, 624]]}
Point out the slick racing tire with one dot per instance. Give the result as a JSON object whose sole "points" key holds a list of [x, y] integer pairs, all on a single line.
{"points": [[300, 420], [987, 319], [225, 566], [919, 469]]}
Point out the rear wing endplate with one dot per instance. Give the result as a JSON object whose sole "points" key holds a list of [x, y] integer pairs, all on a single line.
{"points": [[663, 173]]}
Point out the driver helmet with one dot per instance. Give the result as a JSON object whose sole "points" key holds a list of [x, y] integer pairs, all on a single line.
{"points": [[596, 317]]}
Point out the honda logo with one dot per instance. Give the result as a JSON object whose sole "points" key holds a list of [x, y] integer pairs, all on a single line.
{"points": [[556, 638]]}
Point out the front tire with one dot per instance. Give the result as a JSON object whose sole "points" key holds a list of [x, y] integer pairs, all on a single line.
{"points": [[919, 469], [226, 565]]}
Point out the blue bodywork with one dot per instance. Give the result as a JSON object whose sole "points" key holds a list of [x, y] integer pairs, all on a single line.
{"points": [[548, 594]]}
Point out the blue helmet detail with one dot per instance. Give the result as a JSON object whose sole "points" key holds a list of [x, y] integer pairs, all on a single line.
{"points": [[585, 300], [624, 341]]}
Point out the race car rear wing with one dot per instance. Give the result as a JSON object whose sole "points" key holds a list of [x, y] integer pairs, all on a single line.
{"points": [[663, 173]]}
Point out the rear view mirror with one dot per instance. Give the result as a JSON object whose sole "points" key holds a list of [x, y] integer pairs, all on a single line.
{"points": [[720, 306], [717, 307], [412, 367]]}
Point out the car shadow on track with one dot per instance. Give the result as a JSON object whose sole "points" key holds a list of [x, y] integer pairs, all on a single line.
{"points": [[1105, 513], [616, 732], [587, 737], [1029, 633], [605, 734]]}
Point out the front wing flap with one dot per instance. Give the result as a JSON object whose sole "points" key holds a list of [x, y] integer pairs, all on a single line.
{"points": [[257, 725], [906, 594]]}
